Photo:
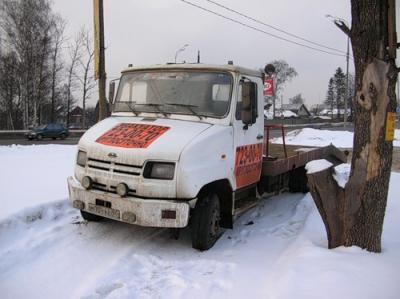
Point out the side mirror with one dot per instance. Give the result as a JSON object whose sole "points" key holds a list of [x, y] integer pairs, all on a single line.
{"points": [[111, 92], [249, 103]]}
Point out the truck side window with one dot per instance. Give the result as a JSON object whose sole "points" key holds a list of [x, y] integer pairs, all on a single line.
{"points": [[253, 94]]}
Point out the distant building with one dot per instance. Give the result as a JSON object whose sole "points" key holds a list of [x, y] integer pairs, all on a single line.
{"points": [[300, 110], [75, 117]]}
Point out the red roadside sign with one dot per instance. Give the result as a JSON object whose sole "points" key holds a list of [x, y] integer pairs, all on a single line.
{"points": [[268, 87]]}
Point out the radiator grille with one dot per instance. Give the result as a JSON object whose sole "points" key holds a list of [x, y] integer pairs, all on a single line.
{"points": [[114, 167]]}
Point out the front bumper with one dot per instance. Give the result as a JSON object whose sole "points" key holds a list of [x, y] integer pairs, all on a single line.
{"points": [[143, 212]]}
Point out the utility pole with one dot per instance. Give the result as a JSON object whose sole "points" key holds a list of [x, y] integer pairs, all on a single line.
{"points": [[341, 24], [99, 56], [347, 82]]}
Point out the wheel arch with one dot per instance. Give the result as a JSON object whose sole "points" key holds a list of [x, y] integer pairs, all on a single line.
{"points": [[223, 189]]}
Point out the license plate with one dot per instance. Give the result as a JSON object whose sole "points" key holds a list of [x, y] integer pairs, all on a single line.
{"points": [[103, 211]]}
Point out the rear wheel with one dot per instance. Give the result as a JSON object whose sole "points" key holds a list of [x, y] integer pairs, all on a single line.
{"points": [[91, 217], [205, 222]]}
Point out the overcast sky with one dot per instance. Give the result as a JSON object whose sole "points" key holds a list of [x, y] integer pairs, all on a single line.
{"points": [[151, 31]]}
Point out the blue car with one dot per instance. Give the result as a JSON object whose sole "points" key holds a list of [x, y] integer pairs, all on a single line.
{"points": [[48, 131]]}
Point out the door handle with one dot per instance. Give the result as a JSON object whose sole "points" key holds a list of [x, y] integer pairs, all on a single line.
{"points": [[260, 136]]}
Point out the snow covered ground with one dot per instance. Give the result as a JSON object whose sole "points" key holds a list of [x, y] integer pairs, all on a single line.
{"points": [[277, 250], [315, 137]]}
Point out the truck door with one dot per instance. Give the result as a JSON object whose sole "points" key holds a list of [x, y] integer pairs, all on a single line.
{"points": [[248, 126]]}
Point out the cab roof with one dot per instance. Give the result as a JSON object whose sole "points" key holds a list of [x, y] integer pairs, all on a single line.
{"points": [[196, 66]]}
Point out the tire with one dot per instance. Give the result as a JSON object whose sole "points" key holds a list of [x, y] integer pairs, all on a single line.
{"points": [[39, 137], [205, 222], [63, 136], [91, 217], [54, 138]]}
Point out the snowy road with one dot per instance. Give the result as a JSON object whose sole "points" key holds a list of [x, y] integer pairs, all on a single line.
{"points": [[277, 250], [52, 253]]}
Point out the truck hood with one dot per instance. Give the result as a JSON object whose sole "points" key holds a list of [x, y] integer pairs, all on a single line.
{"points": [[133, 140]]}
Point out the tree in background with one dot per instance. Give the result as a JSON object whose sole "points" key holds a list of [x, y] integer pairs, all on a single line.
{"points": [[297, 100], [56, 63], [28, 28], [38, 85], [354, 215], [87, 79], [336, 92], [330, 95], [75, 49], [283, 73], [10, 95], [339, 80]]}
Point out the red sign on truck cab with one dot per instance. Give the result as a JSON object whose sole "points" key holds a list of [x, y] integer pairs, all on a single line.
{"points": [[132, 135]]}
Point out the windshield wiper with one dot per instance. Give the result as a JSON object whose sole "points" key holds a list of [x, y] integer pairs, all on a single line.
{"points": [[188, 106], [157, 107], [131, 108]]}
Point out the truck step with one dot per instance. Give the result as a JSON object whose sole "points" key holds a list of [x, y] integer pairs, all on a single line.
{"points": [[243, 205]]}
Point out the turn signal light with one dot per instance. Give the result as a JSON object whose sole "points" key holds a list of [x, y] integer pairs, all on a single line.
{"points": [[168, 214], [87, 182]]}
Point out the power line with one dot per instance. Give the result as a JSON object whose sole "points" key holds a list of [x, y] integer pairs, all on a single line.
{"points": [[275, 28], [259, 30]]}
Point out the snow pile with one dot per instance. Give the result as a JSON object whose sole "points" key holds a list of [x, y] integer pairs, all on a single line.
{"points": [[31, 175], [287, 114], [317, 166], [314, 137], [341, 174], [276, 250], [268, 114]]}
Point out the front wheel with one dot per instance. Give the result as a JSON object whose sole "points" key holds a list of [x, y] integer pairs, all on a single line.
{"points": [[39, 137], [63, 136], [91, 217], [205, 222]]}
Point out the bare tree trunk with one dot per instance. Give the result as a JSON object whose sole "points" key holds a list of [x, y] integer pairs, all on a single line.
{"points": [[87, 81], [58, 26], [74, 56], [360, 206]]}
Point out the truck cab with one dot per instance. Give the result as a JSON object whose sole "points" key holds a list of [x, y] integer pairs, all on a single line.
{"points": [[182, 143]]}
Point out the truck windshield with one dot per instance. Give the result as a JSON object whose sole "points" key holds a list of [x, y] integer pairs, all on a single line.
{"points": [[181, 92]]}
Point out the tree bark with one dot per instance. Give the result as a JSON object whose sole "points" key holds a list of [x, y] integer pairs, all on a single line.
{"points": [[359, 209]]}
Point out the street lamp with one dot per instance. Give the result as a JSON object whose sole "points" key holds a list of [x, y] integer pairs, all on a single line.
{"points": [[180, 50], [341, 24]]}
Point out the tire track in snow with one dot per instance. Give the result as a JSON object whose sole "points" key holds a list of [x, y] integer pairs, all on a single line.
{"points": [[115, 260], [38, 238]]}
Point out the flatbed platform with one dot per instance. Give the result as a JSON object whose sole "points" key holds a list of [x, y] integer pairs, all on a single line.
{"points": [[297, 156]]}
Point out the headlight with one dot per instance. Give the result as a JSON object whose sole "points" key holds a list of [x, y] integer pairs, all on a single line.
{"points": [[81, 159], [159, 170]]}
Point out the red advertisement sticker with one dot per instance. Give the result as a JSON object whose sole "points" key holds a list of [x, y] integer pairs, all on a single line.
{"points": [[132, 135], [248, 164]]}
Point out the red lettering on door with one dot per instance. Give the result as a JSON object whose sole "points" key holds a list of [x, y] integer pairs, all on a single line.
{"points": [[248, 163]]}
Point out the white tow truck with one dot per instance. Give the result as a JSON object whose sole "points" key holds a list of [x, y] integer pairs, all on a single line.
{"points": [[186, 144]]}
